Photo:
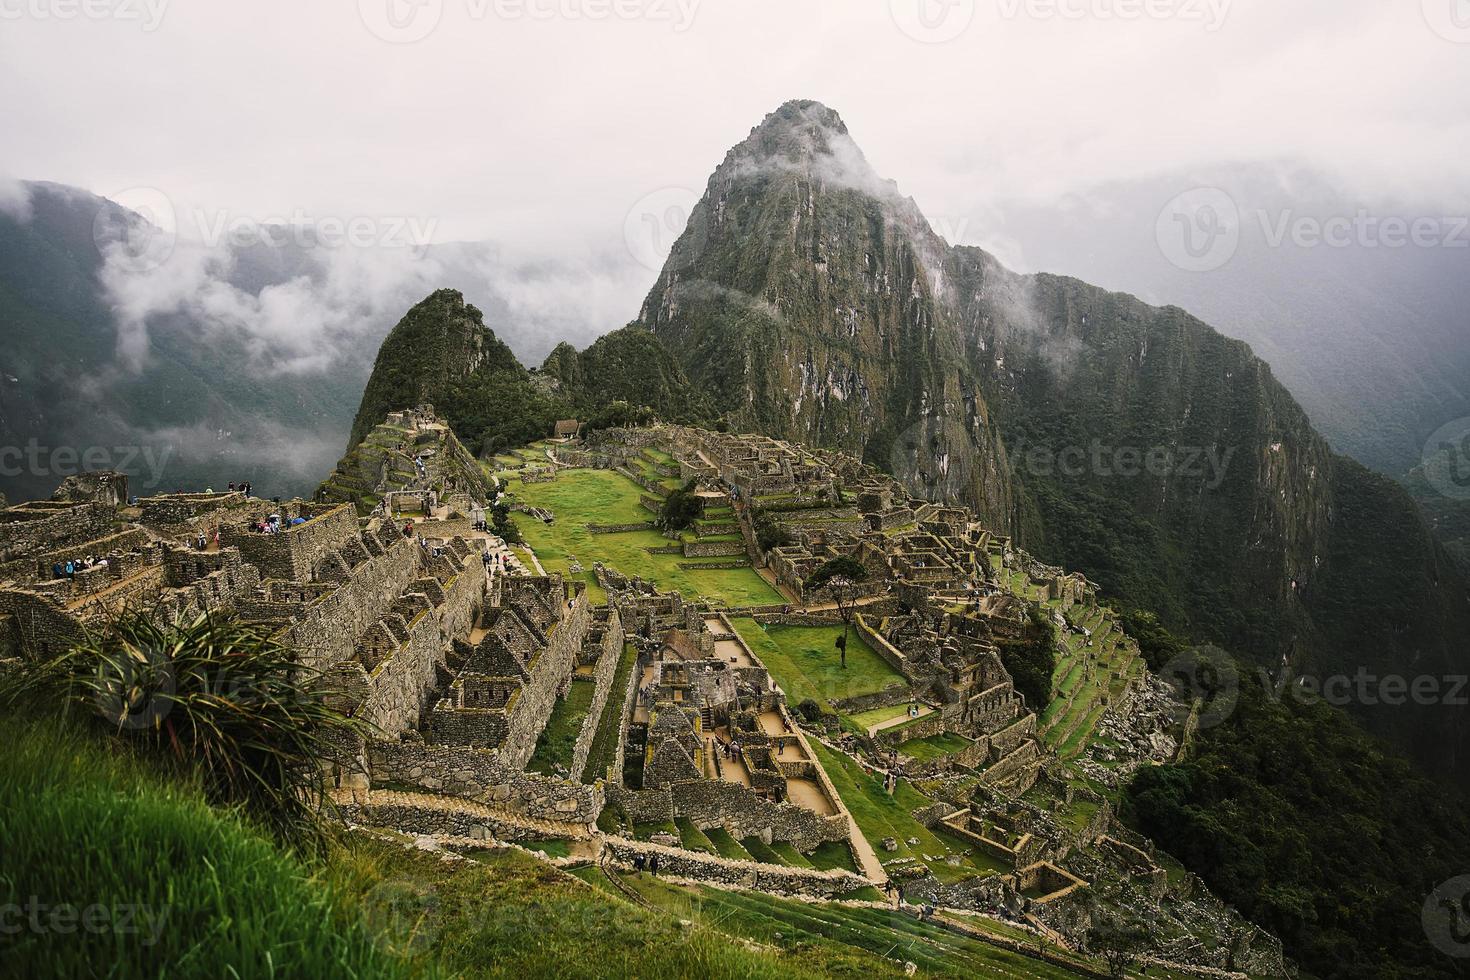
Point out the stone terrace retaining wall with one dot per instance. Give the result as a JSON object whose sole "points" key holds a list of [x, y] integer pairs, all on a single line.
{"points": [[607, 669], [549, 668], [483, 776], [831, 618], [780, 879], [713, 803], [886, 650], [886, 698], [31, 528], [713, 549], [296, 551]]}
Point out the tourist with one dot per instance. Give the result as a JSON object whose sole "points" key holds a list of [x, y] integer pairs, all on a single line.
{"points": [[653, 865], [71, 570], [56, 570], [639, 861]]}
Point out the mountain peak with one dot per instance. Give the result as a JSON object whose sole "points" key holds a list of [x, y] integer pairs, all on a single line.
{"points": [[807, 138]]}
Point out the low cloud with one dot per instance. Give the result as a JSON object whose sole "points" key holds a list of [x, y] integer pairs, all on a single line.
{"points": [[15, 199]]}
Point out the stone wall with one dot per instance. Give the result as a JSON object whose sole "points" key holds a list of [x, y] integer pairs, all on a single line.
{"points": [[886, 650], [483, 776], [296, 551], [679, 863], [713, 549], [549, 669], [886, 698], [603, 675], [327, 632], [30, 528], [714, 803], [39, 624], [626, 707]]}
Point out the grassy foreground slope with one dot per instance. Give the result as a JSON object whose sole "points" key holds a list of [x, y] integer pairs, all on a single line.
{"points": [[119, 873]]}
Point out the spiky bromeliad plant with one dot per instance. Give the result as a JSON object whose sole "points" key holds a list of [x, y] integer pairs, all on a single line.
{"points": [[213, 697]]}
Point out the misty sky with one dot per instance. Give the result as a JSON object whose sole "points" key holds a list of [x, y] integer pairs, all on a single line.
{"points": [[545, 122]]}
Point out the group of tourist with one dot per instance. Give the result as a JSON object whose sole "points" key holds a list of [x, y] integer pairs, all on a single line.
{"points": [[69, 569], [731, 749], [246, 488], [201, 542], [274, 524], [640, 862]]}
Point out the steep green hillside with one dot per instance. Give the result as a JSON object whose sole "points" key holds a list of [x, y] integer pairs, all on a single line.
{"points": [[628, 365], [441, 353], [438, 347]]}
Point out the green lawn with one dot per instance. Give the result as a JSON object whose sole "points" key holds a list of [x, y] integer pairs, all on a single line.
{"points": [[935, 746], [879, 815], [692, 838], [555, 746], [581, 497], [804, 662], [727, 846], [871, 717]]}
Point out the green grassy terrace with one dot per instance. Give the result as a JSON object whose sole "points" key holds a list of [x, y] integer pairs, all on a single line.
{"points": [[879, 815], [804, 662], [581, 497], [559, 739]]}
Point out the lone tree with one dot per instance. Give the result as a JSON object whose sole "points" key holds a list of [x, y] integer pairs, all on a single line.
{"points": [[842, 576], [681, 508], [1120, 941]]}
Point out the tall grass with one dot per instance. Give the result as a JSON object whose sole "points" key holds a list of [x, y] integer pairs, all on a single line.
{"points": [[216, 699], [110, 870]]}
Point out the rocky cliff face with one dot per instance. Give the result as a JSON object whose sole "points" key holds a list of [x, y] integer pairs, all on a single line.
{"points": [[1133, 442], [802, 297]]}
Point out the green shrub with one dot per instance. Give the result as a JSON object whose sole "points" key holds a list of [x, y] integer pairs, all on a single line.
{"points": [[215, 698]]}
